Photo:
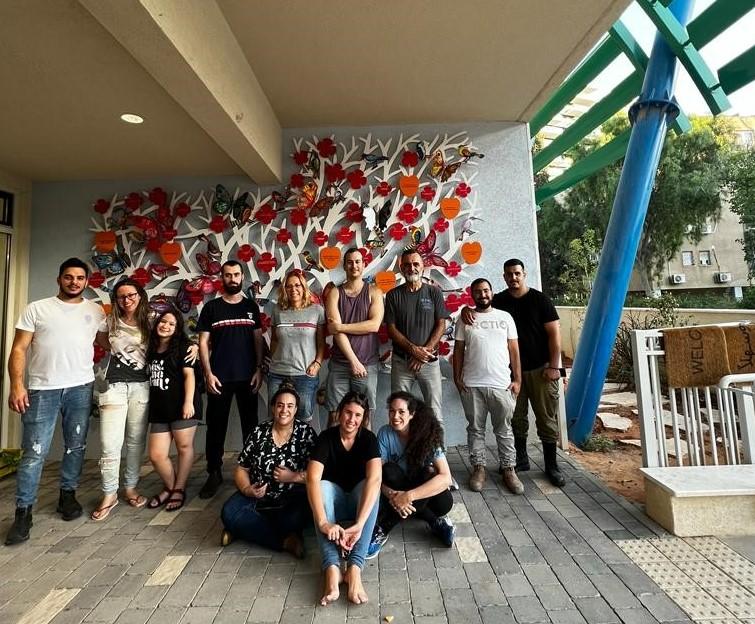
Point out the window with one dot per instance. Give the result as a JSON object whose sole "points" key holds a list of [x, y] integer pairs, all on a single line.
{"points": [[6, 209], [688, 258], [704, 257]]}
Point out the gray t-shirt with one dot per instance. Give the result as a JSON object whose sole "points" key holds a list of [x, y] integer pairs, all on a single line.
{"points": [[296, 332], [414, 313]]}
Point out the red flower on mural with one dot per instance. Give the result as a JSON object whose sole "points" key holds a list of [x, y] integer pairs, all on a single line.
{"points": [[265, 214], [265, 321], [266, 262], [217, 285], [320, 238], [298, 216], [409, 159], [397, 231], [167, 235], [163, 215], [453, 269], [96, 279], [218, 224], [99, 353], [301, 157], [283, 236], [153, 244], [245, 253], [158, 196], [463, 189], [466, 297], [345, 235], [101, 206], [334, 173], [356, 179], [354, 213], [383, 189], [196, 297], [141, 276], [408, 213], [453, 303], [133, 201], [441, 225], [444, 348], [366, 255], [297, 180], [383, 336], [428, 192], [182, 210], [326, 148]]}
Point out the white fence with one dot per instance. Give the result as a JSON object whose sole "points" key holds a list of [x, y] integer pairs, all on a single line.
{"points": [[713, 425]]}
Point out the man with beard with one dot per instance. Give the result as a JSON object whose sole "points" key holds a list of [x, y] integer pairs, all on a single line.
{"points": [[416, 317], [487, 375], [58, 332], [354, 311], [230, 348]]}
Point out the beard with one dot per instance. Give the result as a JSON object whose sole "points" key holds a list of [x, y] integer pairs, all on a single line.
{"points": [[231, 289], [412, 278], [67, 295], [482, 306]]}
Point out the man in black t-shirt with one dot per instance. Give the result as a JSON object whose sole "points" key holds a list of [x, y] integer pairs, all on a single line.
{"points": [[230, 348], [539, 333]]}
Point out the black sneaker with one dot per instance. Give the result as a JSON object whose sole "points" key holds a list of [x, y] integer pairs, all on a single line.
{"points": [[376, 543], [19, 531], [211, 486], [445, 530], [68, 505]]}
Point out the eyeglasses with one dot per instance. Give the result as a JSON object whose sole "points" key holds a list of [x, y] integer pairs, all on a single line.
{"points": [[129, 296]]}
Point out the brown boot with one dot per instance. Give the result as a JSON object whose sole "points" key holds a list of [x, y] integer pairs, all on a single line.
{"points": [[512, 482], [292, 544], [477, 480]]}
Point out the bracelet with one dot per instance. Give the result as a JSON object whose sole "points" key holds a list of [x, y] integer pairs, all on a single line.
{"points": [[318, 362]]}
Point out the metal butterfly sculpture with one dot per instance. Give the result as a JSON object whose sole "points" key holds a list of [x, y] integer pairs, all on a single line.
{"points": [[426, 248], [112, 262], [224, 204], [307, 195], [439, 168], [279, 199], [209, 262], [326, 203]]}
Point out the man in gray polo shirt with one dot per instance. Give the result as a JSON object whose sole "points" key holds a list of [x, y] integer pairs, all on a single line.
{"points": [[416, 314]]}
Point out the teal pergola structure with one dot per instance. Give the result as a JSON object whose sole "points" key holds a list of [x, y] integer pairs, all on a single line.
{"points": [[652, 79]]}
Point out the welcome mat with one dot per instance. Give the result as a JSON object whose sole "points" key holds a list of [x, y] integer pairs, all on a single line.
{"points": [[740, 344], [695, 356]]}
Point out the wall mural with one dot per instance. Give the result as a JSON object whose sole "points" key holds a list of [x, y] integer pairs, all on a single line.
{"points": [[379, 196]]}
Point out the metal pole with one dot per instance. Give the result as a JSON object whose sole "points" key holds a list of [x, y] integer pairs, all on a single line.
{"points": [[650, 117]]}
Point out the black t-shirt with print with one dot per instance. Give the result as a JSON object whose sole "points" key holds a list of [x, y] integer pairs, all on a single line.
{"points": [[166, 387], [231, 327], [260, 456], [345, 468], [530, 312]]}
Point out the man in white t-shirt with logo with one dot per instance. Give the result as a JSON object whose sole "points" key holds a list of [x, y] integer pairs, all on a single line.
{"points": [[487, 374], [58, 335]]}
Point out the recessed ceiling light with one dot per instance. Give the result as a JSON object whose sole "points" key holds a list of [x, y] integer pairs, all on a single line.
{"points": [[131, 118]]}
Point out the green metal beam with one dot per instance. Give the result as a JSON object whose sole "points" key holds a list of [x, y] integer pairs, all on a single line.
{"points": [[716, 19], [678, 40], [621, 95], [738, 72], [587, 70], [582, 169]]}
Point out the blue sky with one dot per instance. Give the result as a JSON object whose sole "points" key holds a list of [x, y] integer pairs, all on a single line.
{"points": [[718, 52]]}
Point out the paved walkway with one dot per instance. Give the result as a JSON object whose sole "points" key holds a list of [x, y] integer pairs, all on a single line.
{"points": [[573, 556]]}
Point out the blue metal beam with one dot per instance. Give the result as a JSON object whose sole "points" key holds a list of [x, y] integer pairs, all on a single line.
{"points": [[650, 118]]}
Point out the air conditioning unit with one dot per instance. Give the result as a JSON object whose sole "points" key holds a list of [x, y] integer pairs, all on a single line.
{"points": [[722, 278], [677, 278]]}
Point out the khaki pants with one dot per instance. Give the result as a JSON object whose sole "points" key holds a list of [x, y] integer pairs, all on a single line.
{"points": [[499, 402], [543, 396]]}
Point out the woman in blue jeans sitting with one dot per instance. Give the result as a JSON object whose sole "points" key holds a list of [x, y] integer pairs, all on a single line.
{"points": [[343, 484], [297, 342], [270, 508]]}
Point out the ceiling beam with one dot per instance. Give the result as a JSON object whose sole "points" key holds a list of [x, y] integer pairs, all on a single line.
{"points": [[172, 40]]}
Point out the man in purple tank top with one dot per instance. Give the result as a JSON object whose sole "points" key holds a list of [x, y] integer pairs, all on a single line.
{"points": [[354, 311]]}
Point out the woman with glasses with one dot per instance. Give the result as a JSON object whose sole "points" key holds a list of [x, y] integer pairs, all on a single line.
{"points": [[297, 342]]}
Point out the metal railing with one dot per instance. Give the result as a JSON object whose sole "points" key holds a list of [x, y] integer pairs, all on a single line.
{"points": [[710, 425]]}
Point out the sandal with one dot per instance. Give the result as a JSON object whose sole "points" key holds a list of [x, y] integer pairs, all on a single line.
{"points": [[178, 501], [137, 501], [158, 501], [101, 513]]}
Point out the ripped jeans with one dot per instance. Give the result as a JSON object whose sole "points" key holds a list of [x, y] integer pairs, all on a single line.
{"points": [[75, 405]]}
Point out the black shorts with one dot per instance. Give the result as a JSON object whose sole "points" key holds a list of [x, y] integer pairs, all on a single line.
{"points": [[176, 425]]}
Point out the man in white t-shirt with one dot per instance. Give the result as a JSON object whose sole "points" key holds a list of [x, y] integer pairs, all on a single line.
{"points": [[487, 374], [58, 335]]}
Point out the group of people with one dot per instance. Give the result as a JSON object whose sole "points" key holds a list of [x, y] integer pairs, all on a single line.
{"points": [[354, 485]]}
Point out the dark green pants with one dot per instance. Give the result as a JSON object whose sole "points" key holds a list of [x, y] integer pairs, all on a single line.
{"points": [[543, 396]]}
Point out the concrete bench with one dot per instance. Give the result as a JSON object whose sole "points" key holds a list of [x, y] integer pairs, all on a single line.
{"points": [[702, 500]]}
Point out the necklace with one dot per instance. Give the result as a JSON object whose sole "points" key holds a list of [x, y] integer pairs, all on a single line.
{"points": [[280, 439]]}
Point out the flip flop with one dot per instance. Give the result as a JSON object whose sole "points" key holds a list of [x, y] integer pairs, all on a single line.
{"points": [[101, 513], [137, 501], [156, 501], [181, 499]]}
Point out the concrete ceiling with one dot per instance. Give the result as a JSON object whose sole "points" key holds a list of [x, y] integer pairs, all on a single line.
{"points": [[216, 80]]}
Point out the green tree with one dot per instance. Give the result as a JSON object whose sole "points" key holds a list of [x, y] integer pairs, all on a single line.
{"points": [[686, 194], [742, 196]]}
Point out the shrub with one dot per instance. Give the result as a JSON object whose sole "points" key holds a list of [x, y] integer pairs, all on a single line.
{"points": [[598, 443]]}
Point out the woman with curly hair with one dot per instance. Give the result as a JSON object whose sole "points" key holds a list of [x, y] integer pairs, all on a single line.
{"points": [[297, 342], [416, 476]]}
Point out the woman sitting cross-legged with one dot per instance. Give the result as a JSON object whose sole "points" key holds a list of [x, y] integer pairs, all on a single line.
{"points": [[270, 508], [416, 476], [343, 484]]}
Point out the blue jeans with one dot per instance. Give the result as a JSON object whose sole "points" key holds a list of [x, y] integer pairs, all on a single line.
{"points": [[267, 528], [75, 404], [306, 388], [339, 506]]}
